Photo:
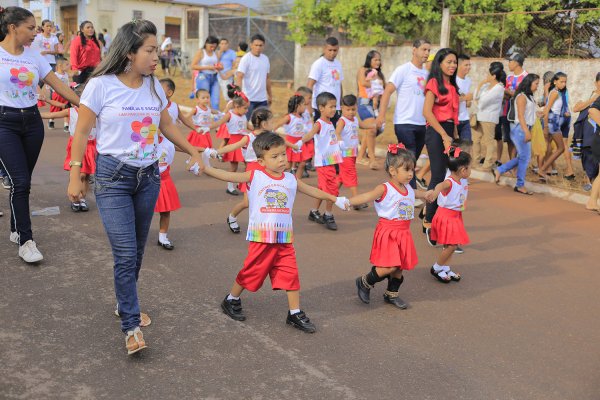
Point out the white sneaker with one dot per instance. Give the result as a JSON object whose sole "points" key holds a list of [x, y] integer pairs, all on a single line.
{"points": [[14, 237], [29, 252]]}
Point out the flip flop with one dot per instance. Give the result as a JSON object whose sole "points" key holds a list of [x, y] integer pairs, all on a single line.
{"points": [[526, 192], [497, 175]]}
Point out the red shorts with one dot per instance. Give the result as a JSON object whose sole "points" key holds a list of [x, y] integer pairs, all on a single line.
{"points": [[327, 180], [278, 260], [348, 172], [58, 98]]}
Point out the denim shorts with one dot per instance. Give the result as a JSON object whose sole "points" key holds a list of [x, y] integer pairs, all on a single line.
{"points": [[558, 123], [365, 108]]}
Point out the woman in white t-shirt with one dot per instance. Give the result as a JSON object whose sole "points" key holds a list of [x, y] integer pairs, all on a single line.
{"points": [[47, 43], [129, 107], [21, 126]]}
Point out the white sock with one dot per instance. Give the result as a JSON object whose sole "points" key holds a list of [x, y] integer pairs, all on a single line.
{"points": [[230, 297], [232, 218], [230, 186], [162, 237], [437, 267], [233, 222], [294, 311], [328, 214], [314, 210]]}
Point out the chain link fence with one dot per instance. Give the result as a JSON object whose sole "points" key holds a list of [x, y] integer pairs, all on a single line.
{"points": [[569, 34]]}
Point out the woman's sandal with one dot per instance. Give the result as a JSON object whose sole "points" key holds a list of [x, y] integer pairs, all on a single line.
{"points": [[144, 318], [496, 174], [451, 274], [525, 192], [438, 275], [134, 341]]}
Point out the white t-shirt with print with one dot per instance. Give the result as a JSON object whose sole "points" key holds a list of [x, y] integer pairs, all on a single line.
{"points": [[410, 87], [127, 119], [63, 77], [19, 76], [328, 76], [464, 85], [42, 43], [255, 70]]}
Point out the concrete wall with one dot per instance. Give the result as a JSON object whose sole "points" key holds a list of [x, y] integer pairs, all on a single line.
{"points": [[580, 82]]}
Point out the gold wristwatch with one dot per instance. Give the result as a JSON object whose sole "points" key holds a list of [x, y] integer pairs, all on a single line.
{"points": [[75, 164]]}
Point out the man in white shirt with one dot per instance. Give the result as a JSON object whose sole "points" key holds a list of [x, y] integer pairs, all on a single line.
{"points": [[107, 39], [326, 76], [464, 86], [253, 75], [408, 81]]}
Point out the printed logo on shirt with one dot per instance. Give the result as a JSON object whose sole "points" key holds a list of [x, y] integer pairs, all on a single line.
{"points": [[276, 202], [335, 74], [143, 134], [421, 81], [405, 210], [333, 139], [21, 77]]}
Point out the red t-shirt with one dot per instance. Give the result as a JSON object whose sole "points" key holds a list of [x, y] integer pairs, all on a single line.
{"points": [[445, 107], [84, 57]]}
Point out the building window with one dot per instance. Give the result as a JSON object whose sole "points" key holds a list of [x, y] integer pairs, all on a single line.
{"points": [[138, 14], [193, 20]]}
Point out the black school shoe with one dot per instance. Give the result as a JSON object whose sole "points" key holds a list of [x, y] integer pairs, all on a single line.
{"points": [[364, 292], [392, 298], [300, 321], [330, 222], [233, 308], [315, 216]]}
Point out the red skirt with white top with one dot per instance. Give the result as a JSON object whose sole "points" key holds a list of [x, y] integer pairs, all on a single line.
{"points": [[250, 166], [197, 139], [393, 245], [88, 163], [168, 198], [223, 132], [236, 155], [298, 156], [448, 227]]}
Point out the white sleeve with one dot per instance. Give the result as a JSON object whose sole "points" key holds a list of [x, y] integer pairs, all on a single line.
{"points": [[315, 70], [268, 65], [397, 77], [243, 66], [44, 67], [93, 95], [161, 94], [490, 97]]}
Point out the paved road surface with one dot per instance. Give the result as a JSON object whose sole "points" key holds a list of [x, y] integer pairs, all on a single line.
{"points": [[523, 323]]}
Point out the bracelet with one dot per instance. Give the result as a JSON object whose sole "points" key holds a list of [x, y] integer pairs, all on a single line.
{"points": [[75, 164]]}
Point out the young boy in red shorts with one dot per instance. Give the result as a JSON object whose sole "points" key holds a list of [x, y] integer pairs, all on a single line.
{"points": [[271, 194]]}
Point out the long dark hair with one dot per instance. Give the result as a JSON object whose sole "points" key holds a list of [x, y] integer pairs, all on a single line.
{"points": [[368, 67], [12, 16], [82, 35], [128, 40], [525, 86], [294, 102], [210, 40], [556, 77], [436, 70], [497, 69]]}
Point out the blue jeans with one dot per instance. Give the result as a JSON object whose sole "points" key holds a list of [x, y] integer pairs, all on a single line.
{"points": [[21, 138], [413, 138], [126, 196], [464, 132], [517, 136], [253, 106], [365, 108], [210, 83]]}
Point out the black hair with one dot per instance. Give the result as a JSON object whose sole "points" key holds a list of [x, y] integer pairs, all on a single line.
{"points": [[436, 70], [525, 85], [463, 57], [420, 42], [556, 77], [260, 115], [101, 39], [323, 98], [223, 40], [243, 46], [258, 36], [497, 69], [349, 100], [368, 67], [306, 90], [598, 77], [402, 158], [82, 35], [265, 142], [456, 163], [200, 91], [331, 41], [211, 40], [45, 21], [231, 89], [170, 84], [12, 16], [239, 101], [294, 102]]}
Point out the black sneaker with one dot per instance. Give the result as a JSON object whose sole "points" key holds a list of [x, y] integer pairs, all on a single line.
{"points": [[301, 321], [50, 124], [315, 216], [364, 292], [421, 183], [459, 250], [233, 308], [482, 161], [498, 163], [6, 183], [360, 206], [431, 242], [305, 174], [76, 207], [66, 128], [293, 171], [233, 192], [330, 222], [83, 206], [392, 298], [310, 166]]}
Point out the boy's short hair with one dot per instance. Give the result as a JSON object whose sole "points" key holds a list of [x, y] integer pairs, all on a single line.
{"points": [[265, 142], [331, 41], [324, 98], [420, 42], [169, 82], [243, 46], [463, 57], [200, 91], [349, 100], [258, 36], [304, 89]]}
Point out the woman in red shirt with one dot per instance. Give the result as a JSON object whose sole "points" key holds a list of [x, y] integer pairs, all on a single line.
{"points": [[441, 112], [85, 52]]}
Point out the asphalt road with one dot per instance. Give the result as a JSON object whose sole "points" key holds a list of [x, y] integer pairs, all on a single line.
{"points": [[522, 324]]}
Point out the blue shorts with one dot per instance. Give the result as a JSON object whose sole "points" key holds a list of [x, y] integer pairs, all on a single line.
{"points": [[559, 124], [365, 108]]}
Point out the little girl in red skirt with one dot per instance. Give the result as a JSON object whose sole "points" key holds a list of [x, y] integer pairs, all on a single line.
{"points": [[447, 227], [168, 198], [202, 117], [222, 132], [393, 249]]}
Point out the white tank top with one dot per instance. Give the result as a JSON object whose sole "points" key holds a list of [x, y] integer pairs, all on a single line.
{"points": [[529, 110], [327, 148], [202, 118], [308, 120], [173, 110], [271, 201], [295, 127], [558, 103], [248, 150], [350, 137], [166, 151], [456, 197], [237, 124], [208, 61], [73, 114], [394, 205]]}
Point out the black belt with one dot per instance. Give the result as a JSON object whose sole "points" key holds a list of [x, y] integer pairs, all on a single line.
{"points": [[22, 110]]}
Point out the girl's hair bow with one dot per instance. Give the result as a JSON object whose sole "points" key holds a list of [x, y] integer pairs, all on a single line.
{"points": [[393, 148], [241, 94], [456, 151]]}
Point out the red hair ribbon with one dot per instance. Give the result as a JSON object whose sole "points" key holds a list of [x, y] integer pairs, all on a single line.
{"points": [[241, 94], [298, 94], [393, 148], [457, 151]]}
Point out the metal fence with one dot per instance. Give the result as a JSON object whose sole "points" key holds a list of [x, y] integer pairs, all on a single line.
{"points": [[545, 34]]}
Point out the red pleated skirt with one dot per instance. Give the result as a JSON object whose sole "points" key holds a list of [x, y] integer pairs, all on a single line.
{"points": [[200, 139], [393, 245], [448, 227], [302, 155], [57, 97], [310, 149], [168, 199], [236, 155], [223, 132], [250, 166], [89, 157]]}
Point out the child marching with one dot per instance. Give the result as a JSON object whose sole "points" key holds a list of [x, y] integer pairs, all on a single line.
{"points": [[202, 117]]}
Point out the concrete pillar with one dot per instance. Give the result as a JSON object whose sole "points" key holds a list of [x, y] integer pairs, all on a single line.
{"points": [[445, 35], [202, 26]]}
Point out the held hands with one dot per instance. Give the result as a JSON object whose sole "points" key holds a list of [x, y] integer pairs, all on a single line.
{"points": [[343, 203], [447, 141], [342, 145], [211, 153], [195, 165], [430, 196]]}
